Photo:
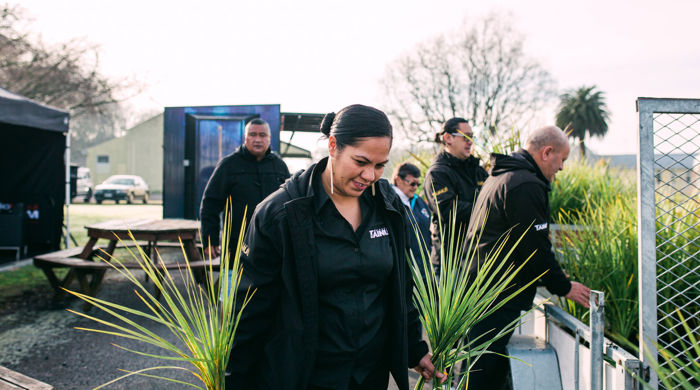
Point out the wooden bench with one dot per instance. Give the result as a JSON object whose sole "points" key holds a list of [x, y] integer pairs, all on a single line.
{"points": [[90, 273], [14, 380]]}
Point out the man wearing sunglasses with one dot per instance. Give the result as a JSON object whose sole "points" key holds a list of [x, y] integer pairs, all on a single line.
{"points": [[452, 181], [406, 182]]}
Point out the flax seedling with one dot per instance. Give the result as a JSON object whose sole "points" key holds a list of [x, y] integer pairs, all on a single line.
{"points": [[201, 318], [451, 304]]}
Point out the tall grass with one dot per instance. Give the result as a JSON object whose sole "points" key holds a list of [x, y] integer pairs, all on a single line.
{"points": [[451, 304], [203, 323], [678, 270], [583, 183], [601, 252], [677, 371]]}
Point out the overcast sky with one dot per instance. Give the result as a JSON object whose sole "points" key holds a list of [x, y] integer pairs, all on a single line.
{"points": [[318, 56]]}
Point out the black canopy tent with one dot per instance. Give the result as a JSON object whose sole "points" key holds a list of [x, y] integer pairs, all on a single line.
{"points": [[33, 157]]}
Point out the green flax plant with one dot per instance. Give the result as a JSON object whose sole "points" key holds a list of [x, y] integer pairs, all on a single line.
{"points": [[678, 254], [677, 371], [501, 142], [583, 183], [452, 302], [601, 252], [201, 318]]}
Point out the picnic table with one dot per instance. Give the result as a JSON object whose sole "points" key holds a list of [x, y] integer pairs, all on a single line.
{"points": [[90, 272], [150, 230], [14, 380]]}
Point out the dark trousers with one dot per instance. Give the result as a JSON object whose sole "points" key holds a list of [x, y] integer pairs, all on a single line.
{"points": [[378, 379], [491, 371]]}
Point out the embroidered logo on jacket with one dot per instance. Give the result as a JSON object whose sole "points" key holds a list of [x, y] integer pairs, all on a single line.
{"points": [[376, 233], [440, 192], [541, 226]]}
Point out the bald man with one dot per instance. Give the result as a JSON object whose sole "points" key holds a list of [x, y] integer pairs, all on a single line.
{"points": [[516, 196]]}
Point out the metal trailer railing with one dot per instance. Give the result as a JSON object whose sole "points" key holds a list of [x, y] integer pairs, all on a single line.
{"points": [[668, 170], [605, 364]]}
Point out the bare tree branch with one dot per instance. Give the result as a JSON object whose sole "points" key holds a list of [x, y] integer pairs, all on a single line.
{"points": [[479, 71], [65, 76]]}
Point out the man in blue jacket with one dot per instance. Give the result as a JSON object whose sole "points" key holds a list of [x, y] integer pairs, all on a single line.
{"points": [[406, 181]]}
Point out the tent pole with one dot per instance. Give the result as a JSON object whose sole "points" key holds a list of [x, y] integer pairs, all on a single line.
{"points": [[66, 213]]}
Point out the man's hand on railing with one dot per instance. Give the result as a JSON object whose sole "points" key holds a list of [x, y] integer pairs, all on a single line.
{"points": [[579, 293], [212, 251]]}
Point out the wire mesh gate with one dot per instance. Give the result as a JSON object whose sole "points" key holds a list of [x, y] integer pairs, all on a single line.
{"points": [[669, 228]]}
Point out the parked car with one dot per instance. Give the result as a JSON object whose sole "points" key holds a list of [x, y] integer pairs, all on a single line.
{"points": [[84, 184], [81, 183], [122, 187]]}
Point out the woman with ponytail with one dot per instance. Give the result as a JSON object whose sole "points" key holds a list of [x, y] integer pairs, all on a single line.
{"points": [[325, 255]]}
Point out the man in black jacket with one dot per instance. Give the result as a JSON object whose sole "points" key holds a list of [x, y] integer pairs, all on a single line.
{"points": [[516, 197], [452, 181], [247, 176]]}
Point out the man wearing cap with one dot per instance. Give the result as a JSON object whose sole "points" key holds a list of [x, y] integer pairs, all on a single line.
{"points": [[247, 176], [452, 182], [514, 200]]}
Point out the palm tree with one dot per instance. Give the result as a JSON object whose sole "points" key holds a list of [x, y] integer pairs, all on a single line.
{"points": [[583, 112]]}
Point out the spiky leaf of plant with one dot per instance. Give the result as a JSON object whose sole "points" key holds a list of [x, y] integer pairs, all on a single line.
{"points": [[501, 142], [676, 371], [203, 320], [601, 252], [584, 181], [451, 304]]}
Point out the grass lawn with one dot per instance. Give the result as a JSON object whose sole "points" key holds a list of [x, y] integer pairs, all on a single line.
{"points": [[81, 215], [15, 282], [20, 280]]}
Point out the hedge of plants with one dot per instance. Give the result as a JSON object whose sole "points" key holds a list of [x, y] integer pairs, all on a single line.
{"points": [[583, 183], [601, 251]]}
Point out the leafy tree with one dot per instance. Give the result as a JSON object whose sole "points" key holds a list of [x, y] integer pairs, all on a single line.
{"points": [[479, 71], [582, 112], [65, 76]]}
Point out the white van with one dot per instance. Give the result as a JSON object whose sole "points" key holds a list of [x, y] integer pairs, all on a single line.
{"points": [[83, 184]]}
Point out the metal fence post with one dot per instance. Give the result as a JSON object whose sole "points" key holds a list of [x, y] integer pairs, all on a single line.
{"points": [[633, 370], [646, 233], [668, 184], [597, 315], [577, 361]]}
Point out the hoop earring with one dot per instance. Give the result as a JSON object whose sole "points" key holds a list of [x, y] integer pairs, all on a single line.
{"points": [[372, 188], [330, 166]]}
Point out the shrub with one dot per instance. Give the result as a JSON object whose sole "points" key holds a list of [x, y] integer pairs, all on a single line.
{"points": [[601, 252], [201, 318], [583, 183]]}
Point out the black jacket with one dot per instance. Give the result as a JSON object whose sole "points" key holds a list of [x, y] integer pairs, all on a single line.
{"points": [[449, 182], [420, 216], [516, 196], [275, 343], [247, 181]]}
